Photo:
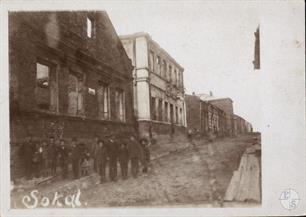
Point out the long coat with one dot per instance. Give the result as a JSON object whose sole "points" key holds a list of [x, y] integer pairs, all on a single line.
{"points": [[135, 149]]}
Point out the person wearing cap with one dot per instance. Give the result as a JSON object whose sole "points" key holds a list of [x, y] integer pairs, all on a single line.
{"points": [[113, 157], [75, 158], [63, 154], [123, 159], [102, 156], [52, 155]]}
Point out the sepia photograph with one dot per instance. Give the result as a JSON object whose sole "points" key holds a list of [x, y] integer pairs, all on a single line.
{"points": [[153, 104]]}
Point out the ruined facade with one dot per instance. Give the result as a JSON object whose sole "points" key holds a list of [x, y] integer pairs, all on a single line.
{"points": [[69, 77], [158, 87]]}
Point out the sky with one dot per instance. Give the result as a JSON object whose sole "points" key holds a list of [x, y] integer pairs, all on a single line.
{"points": [[212, 40]]}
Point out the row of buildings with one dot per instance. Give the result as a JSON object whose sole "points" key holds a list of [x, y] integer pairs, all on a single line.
{"points": [[209, 114], [71, 75]]}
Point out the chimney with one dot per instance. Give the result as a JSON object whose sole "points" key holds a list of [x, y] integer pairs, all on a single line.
{"points": [[210, 93]]}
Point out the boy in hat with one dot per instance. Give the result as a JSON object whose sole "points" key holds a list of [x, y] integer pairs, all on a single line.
{"points": [[85, 160]]}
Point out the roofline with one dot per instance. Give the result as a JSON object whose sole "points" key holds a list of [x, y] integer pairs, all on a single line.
{"points": [[149, 38], [118, 38], [218, 99]]}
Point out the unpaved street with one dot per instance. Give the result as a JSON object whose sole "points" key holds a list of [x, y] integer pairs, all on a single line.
{"points": [[179, 178]]}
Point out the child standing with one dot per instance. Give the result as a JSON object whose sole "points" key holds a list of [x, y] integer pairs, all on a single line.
{"points": [[85, 160]]}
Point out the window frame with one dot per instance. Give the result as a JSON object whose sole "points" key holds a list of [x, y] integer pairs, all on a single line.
{"points": [[51, 72]]}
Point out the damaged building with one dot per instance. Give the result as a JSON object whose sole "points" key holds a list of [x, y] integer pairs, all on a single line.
{"points": [[69, 77]]}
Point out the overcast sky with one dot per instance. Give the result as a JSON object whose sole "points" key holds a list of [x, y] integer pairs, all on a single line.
{"points": [[213, 41]]}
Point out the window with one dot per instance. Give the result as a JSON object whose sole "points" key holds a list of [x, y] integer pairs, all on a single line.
{"points": [[75, 94], [166, 112], [103, 102], [164, 69], [171, 113], [160, 110], [170, 73], [46, 88], [176, 115], [151, 61], [175, 77], [153, 108], [158, 67], [181, 116], [90, 27], [42, 75], [120, 105]]}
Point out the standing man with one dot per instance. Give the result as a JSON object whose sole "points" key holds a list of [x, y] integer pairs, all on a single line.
{"points": [[102, 156], [63, 155], [135, 153], [123, 159], [75, 157], [113, 157], [26, 151], [94, 153], [52, 155]]}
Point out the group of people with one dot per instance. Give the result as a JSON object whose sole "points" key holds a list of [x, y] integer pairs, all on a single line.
{"points": [[43, 158]]}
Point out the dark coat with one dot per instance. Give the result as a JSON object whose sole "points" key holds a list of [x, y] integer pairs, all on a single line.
{"points": [[135, 149], [113, 149], [76, 152], [102, 154], [52, 151], [123, 154], [63, 152], [146, 154]]}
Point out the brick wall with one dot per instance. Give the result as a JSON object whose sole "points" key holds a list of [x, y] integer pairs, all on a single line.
{"points": [[60, 40], [193, 111]]}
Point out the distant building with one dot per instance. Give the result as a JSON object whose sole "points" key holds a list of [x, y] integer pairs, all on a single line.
{"points": [[204, 117], [69, 77], [225, 104], [158, 87], [241, 125]]}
